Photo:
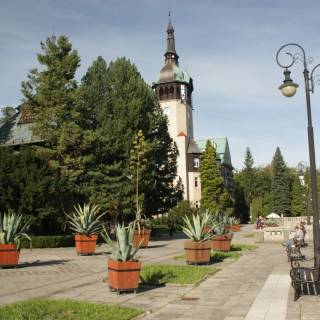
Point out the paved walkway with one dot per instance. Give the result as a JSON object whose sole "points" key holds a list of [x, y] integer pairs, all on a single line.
{"points": [[255, 286]]}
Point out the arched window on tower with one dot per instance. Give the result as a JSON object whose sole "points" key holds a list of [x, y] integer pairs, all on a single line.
{"points": [[171, 92], [161, 93], [166, 93], [178, 92]]}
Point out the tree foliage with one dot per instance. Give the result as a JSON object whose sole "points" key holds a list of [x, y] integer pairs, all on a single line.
{"points": [[214, 195], [88, 131], [280, 186]]}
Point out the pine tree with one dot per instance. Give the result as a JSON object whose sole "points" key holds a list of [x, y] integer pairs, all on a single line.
{"points": [[249, 177], [280, 188], [298, 198], [122, 104], [50, 97], [212, 188]]}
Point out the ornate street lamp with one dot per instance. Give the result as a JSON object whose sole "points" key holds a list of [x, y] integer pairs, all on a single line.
{"points": [[288, 89], [302, 169]]}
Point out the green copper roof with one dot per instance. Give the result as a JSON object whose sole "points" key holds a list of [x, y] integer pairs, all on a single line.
{"points": [[222, 148], [13, 133], [177, 75]]}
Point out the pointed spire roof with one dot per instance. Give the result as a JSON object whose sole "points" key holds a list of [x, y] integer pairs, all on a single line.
{"points": [[171, 47]]}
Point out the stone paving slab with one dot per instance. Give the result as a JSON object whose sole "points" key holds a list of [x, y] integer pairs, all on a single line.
{"points": [[228, 295]]}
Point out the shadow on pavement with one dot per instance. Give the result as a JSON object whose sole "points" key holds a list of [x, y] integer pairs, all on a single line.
{"points": [[39, 263]]}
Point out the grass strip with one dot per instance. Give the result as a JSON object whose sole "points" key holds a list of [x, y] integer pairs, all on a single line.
{"points": [[218, 256], [41, 309], [162, 274]]}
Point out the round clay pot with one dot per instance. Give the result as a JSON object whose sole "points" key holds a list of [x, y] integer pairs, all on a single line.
{"points": [[86, 244], [143, 237], [9, 255], [222, 242], [197, 252], [123, 275]]}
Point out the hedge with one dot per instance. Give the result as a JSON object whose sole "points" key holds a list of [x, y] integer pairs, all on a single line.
{"points": [[49, 241]]}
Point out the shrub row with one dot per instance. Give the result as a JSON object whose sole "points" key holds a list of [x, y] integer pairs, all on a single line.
{"points": [[49, 242]]}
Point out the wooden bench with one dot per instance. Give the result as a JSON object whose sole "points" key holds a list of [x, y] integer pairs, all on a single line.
{"points": [[294, 251], [304, 280]]}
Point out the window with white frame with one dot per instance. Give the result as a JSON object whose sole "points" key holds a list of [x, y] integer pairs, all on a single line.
{"points": [[196, 162]]}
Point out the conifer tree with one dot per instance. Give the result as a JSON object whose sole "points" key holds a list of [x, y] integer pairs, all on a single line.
{"points": [[49, 95], [212, 188], [298, 198], [249, 179], [280, 187], [122, 104]]}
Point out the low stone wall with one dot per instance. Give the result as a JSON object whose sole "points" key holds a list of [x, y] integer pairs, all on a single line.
{"points": [[279, 234], [291, 222]]}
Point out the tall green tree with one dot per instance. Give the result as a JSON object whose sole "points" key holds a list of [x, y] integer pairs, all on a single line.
{"points": [[212, 189], [249, 177], [298, 198], [49, 94], [280, 187], [121, 104]]}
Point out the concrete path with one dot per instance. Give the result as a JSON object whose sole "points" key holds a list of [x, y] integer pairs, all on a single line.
{"points": [[255, 286]]}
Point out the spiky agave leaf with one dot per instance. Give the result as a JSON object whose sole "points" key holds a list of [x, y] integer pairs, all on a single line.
{"points": [[11, 230], [195, 229], [85, 219], [122, 249]]}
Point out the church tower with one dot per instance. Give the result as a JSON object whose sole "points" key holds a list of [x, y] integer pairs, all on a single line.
{"points": [[174, 91]]}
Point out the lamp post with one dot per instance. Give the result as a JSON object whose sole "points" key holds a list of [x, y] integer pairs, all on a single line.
{"points": [[302, 169], [288, 89]]}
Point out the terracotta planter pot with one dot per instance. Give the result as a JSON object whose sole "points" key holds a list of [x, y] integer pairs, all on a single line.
{"points": [[124, 275], [233, 227], [197, 252], [207, 228], [143, 236], [9, 256], [86, 244], [222, 243]]}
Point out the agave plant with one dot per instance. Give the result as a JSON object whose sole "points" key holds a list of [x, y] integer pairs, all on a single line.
{"points": [[85, 220], [219, 222], [232, 220], [11, 230], [122, 249], [195, 229]]}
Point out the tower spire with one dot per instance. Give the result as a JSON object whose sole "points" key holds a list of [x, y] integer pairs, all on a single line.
{"points": [[171, 54]]}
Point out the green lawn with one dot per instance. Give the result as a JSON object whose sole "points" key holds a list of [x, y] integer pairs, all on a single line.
{"points": [[243, 247], [39, 309], [161, 274]]}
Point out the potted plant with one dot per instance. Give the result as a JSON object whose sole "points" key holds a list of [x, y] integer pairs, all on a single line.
{"points": [[11, 232], [233, 224], [85, 221], [198, 248], [123, 268], [143, 230], [221, 240], [138, 163]]}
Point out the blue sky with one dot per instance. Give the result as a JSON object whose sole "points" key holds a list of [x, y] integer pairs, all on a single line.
{"points": [[227, 46]]}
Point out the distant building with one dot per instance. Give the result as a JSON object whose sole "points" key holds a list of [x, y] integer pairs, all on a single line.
{"points": [[174, 88], [17, 130]]}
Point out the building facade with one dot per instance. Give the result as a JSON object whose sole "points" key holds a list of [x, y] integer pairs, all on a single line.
{"points": [[174, 88]]}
